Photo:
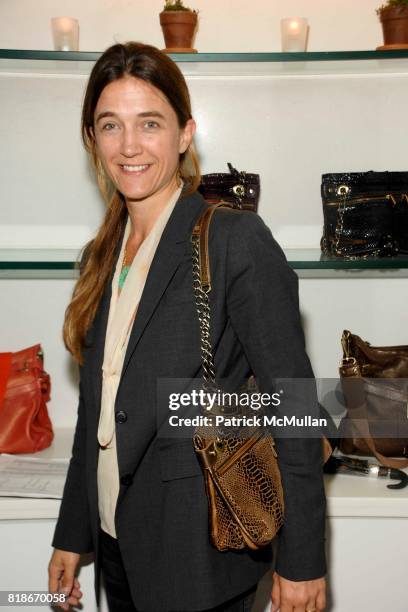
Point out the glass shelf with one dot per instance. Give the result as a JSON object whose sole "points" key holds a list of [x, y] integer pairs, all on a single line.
{"points": [[62, 263], [314, 259], [38, 259], [311, 263], [244, 64], [38, 263]]}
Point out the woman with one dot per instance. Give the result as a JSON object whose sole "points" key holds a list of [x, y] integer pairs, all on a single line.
{"points": [[135, 499]]}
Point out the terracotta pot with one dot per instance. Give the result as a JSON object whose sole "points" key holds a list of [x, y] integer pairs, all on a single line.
{"points": [[394, 20], [178, 30]]}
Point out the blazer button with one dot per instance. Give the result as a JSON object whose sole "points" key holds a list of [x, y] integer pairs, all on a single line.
{"points": [[126, 479], [120, 416]]}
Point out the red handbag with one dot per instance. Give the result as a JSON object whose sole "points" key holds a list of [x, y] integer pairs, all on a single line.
{"points": [[25, 426]]}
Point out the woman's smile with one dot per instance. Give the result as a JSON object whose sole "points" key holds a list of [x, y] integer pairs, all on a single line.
{"points": [[134, 169]]}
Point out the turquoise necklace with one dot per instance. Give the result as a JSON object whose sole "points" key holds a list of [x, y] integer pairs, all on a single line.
{"points": [[124, 272]]}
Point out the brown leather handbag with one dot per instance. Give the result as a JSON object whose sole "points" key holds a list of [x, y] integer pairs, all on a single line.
{"points": [[241, 471], [25, 426], [375, 386]]}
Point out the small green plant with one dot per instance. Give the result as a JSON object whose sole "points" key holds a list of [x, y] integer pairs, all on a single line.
{"points": [[391, 4], [177, 5]]}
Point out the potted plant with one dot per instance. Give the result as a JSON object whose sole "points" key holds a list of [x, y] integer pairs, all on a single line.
{"points": [[178, 23], [394, 19]]}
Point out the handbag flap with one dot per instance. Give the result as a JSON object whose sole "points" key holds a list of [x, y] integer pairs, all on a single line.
{"points": [[363, 183], [27, 359], [379, 361]]}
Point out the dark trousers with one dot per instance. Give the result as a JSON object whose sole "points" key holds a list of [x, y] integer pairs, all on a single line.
{"points": [[118, 591]]}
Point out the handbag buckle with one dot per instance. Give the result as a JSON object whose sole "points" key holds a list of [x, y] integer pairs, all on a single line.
{"points": [[343, 190], [239, 191], [348, 361], [219, 445]]}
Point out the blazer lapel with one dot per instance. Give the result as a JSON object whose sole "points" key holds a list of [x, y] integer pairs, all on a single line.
{"points": [[169, 253], [168, 256]]}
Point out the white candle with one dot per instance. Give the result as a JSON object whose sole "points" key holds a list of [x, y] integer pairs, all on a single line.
{"points": [[65, 31], [294, 34]]}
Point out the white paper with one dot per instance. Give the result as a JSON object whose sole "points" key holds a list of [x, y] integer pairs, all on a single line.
{"points": [[30, 477]]}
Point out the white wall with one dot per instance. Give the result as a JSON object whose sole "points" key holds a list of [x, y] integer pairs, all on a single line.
{"points": [[289, 128], [225, 25]]}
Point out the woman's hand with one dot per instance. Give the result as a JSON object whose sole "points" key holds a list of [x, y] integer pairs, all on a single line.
{"points": [[61, 577], [302, 596]]}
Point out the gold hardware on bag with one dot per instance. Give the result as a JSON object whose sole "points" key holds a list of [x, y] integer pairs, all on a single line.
{"points": [[239, 190], [219, 445], [343, 190], [345, 343], [358, 200], [348, 361], [404, 196]]}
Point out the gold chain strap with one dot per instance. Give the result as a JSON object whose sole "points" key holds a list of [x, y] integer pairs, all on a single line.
{"points": [[343, 191], [203, 309]]}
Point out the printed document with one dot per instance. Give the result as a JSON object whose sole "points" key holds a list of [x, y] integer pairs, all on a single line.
{"points": [[31, 477]]}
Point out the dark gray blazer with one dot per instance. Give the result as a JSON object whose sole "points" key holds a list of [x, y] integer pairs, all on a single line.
{"points": [[161, 517]]}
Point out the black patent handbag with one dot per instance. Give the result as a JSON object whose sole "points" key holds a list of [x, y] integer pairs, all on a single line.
{"points": [[239, 188], [365, 214]]}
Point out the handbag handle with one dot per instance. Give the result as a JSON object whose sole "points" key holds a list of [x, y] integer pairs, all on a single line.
{"points": [[202, 288]]}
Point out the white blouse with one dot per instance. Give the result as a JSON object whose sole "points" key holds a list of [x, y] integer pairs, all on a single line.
{"points": [[122, 311]]}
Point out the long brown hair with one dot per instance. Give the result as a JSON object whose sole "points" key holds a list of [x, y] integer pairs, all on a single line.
{"points": [[151, 65]]}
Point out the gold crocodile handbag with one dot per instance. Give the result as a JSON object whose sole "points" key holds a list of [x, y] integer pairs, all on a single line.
{"points": [[241, 472]]}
